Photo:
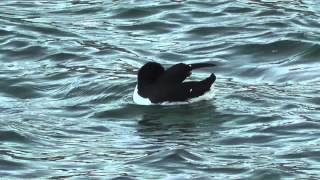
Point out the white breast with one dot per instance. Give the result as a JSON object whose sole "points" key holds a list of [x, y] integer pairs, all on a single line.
{"points": [[140, 100]]}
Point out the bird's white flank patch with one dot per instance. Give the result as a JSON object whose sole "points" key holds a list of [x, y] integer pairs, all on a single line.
{"points": [[138, 99]]}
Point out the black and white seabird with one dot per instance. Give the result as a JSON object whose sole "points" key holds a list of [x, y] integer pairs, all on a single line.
{"points": [[157, 85]]}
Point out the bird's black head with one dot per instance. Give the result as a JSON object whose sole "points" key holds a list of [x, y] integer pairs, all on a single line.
{"points": [[149, 73]]}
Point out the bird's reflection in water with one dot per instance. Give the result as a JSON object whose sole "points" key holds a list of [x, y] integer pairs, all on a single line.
{"points": [[178, 122]]}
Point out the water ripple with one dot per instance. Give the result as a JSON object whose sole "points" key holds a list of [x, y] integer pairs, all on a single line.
{"points": [[11, 136], [68, 70]]}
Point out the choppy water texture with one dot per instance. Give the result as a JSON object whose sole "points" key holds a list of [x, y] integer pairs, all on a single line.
{"points": [[68, 70]]}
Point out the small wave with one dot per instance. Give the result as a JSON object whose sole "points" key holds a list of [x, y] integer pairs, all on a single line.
{"points": [[68, 69], [173, 156], [292, 128], [11, 165], [29, 52], [46, 30], [216, 30], [99, 128], [133, 13], [61, 56], [310, 55], [153, 27], [16, 44], [257, 139], [22, 90], [5, 32], [237, 10], [310, 154], [87, 10], [272, 50], [270, 12], [12, 136]]}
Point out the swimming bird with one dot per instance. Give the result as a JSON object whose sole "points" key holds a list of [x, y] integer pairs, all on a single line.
{"points": [[157, 84]]}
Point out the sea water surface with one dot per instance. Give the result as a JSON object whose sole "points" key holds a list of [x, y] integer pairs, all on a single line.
{"points": [[68, 70]]}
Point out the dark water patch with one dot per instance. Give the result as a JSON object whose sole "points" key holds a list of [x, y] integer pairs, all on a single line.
{"points": [[290, 106], [265, 174], [234, 156], [5, 32], [16, 44], [206, 31], [63, 56], [315, 100], [23, 36], [152, 27], [63, 136], [11, 165], [85, 2], [256, 139], [166, 6], [23, 92], [270, 12], [12, 136], [99, 128], [20, 90], [32, 174], [123, 178], [310, 55], [312, 23], [204, 14], [206, 4], [76, 108], [28, 52], [277, 25], [22, 4], [237, 10], [134, 13]]}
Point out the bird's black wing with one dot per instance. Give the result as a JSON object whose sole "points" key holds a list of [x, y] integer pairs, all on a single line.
{"points": [[186, 90], [175, 74], [179, 72]]}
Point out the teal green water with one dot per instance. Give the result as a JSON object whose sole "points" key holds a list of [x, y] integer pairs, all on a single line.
{"points": [[68, 71]]}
